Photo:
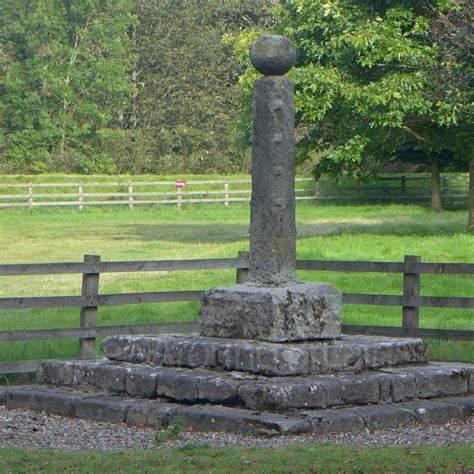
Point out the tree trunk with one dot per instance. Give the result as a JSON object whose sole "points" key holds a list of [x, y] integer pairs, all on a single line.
{"points": [[470, 224], [435, 186]]}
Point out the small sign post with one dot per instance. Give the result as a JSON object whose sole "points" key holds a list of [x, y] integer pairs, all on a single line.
{"points": [[180, 184]]}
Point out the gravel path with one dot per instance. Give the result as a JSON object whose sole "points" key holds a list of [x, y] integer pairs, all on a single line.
{"points": [[26, 429]]}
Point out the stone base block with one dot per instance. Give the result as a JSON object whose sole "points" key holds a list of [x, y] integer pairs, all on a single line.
{"points": [[303, 311]]}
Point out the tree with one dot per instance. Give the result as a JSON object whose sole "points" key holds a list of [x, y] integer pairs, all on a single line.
{"points": [[120, 85], [179, 119], [371, 80], [453, 32], [64, 76]]}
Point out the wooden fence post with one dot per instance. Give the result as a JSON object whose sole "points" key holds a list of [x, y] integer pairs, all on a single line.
{"points": [[242, 274], [226, 194], [30, 195], [357, 189], [403, 187], [179, 197], [80, 198], [411, 289], [446, 187], [90, 287], [130, 196], [317, 191]]}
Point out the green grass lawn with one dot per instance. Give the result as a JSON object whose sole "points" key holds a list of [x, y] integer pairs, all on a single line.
{"points": [[365, 232], [316, 458]]}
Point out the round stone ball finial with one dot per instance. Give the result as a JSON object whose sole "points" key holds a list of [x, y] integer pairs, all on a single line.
{"points": [[272, 55]]}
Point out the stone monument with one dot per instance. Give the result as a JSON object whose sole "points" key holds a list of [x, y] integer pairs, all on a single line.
{"points": [[273, 306], [270, 358]]}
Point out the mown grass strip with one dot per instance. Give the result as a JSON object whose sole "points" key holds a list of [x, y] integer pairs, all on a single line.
{"points": [[316, 458]]}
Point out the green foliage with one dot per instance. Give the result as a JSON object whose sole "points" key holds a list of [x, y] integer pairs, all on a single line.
{"points": [[120, 85], [376, 78], [64, 77], [186, 79], [172, 432]]}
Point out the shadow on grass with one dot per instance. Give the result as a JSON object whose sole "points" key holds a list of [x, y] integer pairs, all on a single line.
{"points": [[218, 233]]}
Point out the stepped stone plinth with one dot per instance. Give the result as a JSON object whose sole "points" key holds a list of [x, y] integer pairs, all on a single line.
{"points": [[243, 402]]}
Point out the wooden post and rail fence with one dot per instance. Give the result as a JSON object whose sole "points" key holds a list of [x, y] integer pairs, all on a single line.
{"points": [[90, 300], [131, 194]]}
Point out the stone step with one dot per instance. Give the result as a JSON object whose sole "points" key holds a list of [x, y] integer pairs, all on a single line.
{"points": [[109, 408], [263, 393], [383, 387], [349, 354], [146, 381]]}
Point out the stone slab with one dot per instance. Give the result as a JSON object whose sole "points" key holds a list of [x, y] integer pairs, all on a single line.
{"points": [[135, 349], [361, 389], [298, 312], [310, 392], [118, 409], [3, 395], [218, 418], [103, 408], [350, 354], [33, 397], [466, 405], [150, 413], [438, 380], [383, 417], [61, 372], [457, 365], [200, 385], [66, 402], [334, 421], [436, 412], [141, 382]]}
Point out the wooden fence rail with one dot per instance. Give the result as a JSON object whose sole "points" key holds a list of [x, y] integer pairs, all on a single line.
{"points": [[180, 192], [90, 300]]}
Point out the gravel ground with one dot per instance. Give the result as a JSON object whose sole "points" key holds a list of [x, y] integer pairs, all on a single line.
{"points": [[26, 429]]}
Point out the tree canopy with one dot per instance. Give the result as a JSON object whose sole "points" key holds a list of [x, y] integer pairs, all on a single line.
{"points": [[120, 85], [64, 76], [376, 77]]}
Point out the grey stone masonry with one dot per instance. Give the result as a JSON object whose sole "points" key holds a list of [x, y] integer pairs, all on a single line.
{"points": [[349, 354], [272, 258], [362, 389], [301, 311], [154, 413], [260, 392]]}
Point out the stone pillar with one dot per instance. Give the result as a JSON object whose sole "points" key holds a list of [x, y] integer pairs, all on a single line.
{"points": [[272, 224], [272, 306]]}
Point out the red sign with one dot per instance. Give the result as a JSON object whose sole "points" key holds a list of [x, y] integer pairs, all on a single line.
{"points": [[180, 183]]}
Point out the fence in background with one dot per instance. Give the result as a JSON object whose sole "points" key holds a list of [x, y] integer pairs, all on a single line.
{"points": [[91, 268], [404, 189]]}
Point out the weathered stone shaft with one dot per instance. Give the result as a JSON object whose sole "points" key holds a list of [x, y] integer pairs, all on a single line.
{"points": [[272, 227]]}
